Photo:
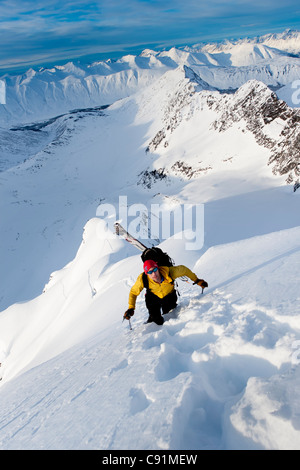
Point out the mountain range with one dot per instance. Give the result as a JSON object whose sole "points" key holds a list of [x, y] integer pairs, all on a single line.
{"points": [[213, 125], [44, 93]]}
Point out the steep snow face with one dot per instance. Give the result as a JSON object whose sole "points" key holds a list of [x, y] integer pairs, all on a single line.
{"points": [[219, 374]]}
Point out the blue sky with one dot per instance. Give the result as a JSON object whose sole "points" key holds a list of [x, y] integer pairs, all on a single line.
{"points": [[39, 32]]}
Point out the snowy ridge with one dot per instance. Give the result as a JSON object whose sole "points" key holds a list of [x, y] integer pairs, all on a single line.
{"points": [[254, 107], [287, 41]]}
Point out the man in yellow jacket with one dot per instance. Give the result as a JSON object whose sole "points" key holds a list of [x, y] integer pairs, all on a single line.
{"points": [[161, 294]]}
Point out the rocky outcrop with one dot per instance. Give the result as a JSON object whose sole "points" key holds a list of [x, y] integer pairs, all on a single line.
{"points": [[258, 107], [258, 110]]}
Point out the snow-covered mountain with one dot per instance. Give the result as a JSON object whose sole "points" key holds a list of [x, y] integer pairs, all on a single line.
{"points": [[287, 41], [223, 371], [254, 107]]}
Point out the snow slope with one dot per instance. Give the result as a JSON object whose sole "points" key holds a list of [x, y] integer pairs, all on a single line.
{"points": [[217, 375], [223, 371]]}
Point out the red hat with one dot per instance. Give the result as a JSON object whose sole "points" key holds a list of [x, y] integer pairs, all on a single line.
{"points": [[149, 264]]}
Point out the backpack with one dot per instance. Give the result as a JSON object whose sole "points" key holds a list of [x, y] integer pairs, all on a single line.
{"points": [[159, 256]]}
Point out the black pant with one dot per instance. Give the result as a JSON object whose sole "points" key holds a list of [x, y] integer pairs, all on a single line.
{"points": [[155, 304]]}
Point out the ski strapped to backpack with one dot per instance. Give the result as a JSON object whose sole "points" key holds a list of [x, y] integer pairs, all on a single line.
{"points": [[154, 253], [158, 255], [129, 238]]}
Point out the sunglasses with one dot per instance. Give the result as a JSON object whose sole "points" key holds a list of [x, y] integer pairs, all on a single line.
{"points": [[152, 271]]}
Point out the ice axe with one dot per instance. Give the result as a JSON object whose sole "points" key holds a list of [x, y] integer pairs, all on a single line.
{"points": [[201, 283], [130, 327]]}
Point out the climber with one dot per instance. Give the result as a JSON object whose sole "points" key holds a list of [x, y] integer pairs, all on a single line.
{"points": [[161, 296]]}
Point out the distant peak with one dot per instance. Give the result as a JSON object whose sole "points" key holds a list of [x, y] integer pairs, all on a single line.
{"points": [[148, 53]]}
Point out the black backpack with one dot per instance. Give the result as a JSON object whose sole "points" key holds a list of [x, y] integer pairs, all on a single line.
{"points": [[159, 256]]}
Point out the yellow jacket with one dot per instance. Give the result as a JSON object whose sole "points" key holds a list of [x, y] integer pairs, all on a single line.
{"points": [[165, 287]]}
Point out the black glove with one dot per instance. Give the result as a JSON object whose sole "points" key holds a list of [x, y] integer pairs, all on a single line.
{"points": [[201, 283], [129, 313]]}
